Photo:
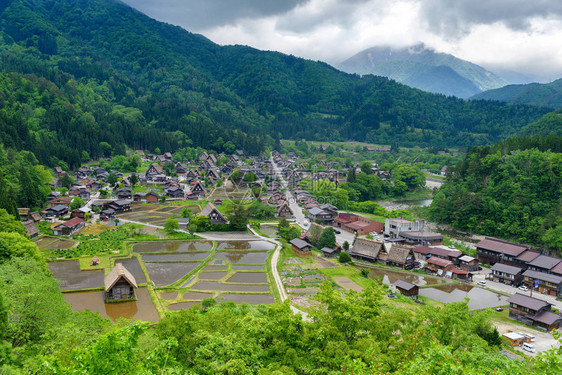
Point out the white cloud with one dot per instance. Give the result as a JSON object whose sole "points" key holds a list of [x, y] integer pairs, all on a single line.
{"points": [[519, 35]]}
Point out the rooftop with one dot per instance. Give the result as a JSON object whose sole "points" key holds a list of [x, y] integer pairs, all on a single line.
{"points": [[499, 246], [500, 267], [532, 303], [546, 262], [543, 276]]}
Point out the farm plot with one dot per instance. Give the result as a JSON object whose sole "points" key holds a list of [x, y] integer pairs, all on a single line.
{"points": [[242, 257], [171, 246], [132, 265], [252, 299], [217, 286], [52, 243], [248, 278], [245, 245], [175, 257]]}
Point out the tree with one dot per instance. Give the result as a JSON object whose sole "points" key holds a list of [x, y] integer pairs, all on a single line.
{"points": [[366, 167], [345, 245], [106, 149], [66, 181], [133, 179], [8, 223], [112, 179], [327, 238], [157, 151], [171, 225], [351, 175], [344, 257], [76, 203], [169, 168], [186, 213]]}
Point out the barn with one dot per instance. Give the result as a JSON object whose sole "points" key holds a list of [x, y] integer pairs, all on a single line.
{"points": [[120, 284]]}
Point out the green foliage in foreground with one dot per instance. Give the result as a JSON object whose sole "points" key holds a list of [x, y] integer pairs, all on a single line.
{"points": [[506, 191], [107, 241]]}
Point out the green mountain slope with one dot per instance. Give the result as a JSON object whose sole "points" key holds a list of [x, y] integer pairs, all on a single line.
{"points": [[538, 94], [78, 73], [549, 124], [421, 67]]}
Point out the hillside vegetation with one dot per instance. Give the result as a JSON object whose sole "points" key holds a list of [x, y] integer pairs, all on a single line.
{"points": [[511, 190], [538, 94], [76, 76]]}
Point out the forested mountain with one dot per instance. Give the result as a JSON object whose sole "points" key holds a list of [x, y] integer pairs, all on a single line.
{"points": [[512, 189], [549, 124], [78, 75], [537, 94], [424, 68]]}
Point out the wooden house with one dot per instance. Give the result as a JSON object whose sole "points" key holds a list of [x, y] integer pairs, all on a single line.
{"points": [[120, 284], [328, 252], [365, 249], [121, 205], [509, 275], [62, 201], [491, 251], [214, 214], [300, 247], [285, 211], [175, 192], [547, 283], [399, 256], [153, 170], [533, 311], [69, 227], [31, 228], [56, 211], [152, 197], [197, 188], [406, 288]]}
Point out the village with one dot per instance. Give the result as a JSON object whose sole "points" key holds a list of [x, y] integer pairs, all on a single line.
{"points": [[181, 246]]}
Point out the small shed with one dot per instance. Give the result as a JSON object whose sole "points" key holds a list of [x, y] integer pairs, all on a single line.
{"points": [[406, 288], [328, 252], [513, 339], [120, 284]]}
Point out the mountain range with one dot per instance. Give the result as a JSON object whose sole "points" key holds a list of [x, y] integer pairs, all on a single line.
{"points": [[539, 94], [422, 67], [81, 79]]}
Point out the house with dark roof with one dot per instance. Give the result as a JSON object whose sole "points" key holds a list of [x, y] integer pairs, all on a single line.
{"points": [[406, 288], [328, 252], [399, 256], [125, 193], [56, 211], [491, 251], [119, 284], [301, 247], [153, 170], [557, 270], [365, 249], [284, 211], [121, 205], [175, 192], [422, 238], [214, 214], [525, 258], [69, 227], [533, 311], [506, 274], [318, 214], [469, 263], [31, 228], [543, 263], [547, 283]]}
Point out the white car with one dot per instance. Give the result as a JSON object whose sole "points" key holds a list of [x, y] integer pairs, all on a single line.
{"points": [[481, 283], [529, 347], [523, 288]]}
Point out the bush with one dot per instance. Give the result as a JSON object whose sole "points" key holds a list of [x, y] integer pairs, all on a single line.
{"points": [[365, 272], [344, 257]]}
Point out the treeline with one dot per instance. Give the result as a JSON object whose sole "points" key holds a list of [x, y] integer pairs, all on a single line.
{"points": [[77, 74], [511, 190]]}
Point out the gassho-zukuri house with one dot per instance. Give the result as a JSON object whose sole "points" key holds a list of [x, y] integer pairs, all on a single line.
{"points": [[120, 284]]}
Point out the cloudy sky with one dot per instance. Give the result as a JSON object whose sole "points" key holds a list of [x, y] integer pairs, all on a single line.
{"points": [[523, 36]]}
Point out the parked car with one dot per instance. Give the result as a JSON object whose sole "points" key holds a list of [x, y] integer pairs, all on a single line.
{"points": [[529, 347], [481, 283], [337, 231], [499, 308], [523, 288]]}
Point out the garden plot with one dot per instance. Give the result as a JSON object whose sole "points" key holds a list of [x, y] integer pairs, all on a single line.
{"points": [[217, 286], [70, 276], [242, 257], [247, 277], [156, 215], [216, 268], [164, 274], [245, 245], [51, 243], [172, 246], [175, 257], [238, 267], [198, 296], [168, 296]]}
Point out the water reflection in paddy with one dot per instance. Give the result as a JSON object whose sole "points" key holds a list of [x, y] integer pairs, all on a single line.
{"points": [[389, 277], [157, 247], [479, 298], [141, 309], [245, 245]]}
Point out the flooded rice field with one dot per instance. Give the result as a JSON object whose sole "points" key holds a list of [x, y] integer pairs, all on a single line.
{"points": [[174, 257], [212, 275], [70, 276], [141, 309], [252, 299], [196, 295], [479, 298], [214, 285], [247, 277], [180, 246], [215, 268], [163, 274], [181, 306], [243, 257], [133, 266], [167, 296], [389, 277], [238, 267], [269, 230], [245, 245]]}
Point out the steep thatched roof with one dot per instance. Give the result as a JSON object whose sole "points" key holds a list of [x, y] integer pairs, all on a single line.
{"points": [[366, 248], [117, 273], [314, 232], [398, 254]]}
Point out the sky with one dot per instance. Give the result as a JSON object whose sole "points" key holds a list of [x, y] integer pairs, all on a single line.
{"points": [[505, 36]]}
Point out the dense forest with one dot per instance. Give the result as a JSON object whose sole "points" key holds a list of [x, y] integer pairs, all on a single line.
{"points": [[540, 94], [355, 333], [85, 79], [511, 190]]}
